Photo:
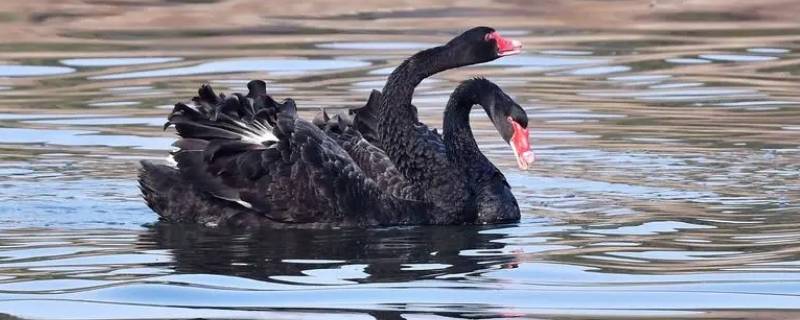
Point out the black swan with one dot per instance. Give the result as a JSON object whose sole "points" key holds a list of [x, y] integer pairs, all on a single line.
{"points": [[247, 160]]}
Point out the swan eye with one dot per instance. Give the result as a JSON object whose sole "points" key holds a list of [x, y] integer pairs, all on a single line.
{"points": [[512, 121], [489, 36]]}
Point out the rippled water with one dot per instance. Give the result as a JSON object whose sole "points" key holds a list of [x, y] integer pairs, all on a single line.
{"points": [[666, 185]]}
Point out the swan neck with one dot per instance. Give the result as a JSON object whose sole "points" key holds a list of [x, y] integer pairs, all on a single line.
{"points": [[458, 136], [399, 88]]}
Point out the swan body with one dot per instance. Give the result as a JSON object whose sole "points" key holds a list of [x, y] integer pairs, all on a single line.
{"points": [[246, 160]]}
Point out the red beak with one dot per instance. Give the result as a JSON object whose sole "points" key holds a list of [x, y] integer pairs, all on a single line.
{"points": [[505, 47], [521, 145]]}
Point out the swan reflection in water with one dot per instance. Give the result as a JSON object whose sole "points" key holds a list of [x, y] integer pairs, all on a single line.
{"points": [[387, 255]]}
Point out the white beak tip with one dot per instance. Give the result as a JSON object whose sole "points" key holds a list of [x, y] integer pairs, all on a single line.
{"points": [[525, 159], [528, 157]]}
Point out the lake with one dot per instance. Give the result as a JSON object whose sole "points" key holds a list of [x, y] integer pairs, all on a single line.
{"points": [[666, 186]]}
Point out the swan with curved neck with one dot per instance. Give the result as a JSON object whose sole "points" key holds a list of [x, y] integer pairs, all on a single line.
{"points": [[491, 194], [396, 115], [508, 117], [299, 174], [420, 157]]}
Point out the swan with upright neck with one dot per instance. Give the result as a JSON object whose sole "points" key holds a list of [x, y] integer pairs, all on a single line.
{"points": [[247, 160], [416, 152], [482, 194]]}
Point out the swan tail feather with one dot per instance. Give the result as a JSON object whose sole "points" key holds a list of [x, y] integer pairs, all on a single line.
{"points": [[365, 118], [175, 199], [248, 118], [165, 192]]}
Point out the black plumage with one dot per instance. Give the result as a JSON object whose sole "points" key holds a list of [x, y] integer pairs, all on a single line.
{"points": [[247, 160]]}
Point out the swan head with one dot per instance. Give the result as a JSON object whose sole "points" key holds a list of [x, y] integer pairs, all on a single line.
{"points": [[508, 118], [482, 44]]}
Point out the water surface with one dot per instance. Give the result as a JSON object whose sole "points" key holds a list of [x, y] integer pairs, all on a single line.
{"points": [[666, 184]]}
